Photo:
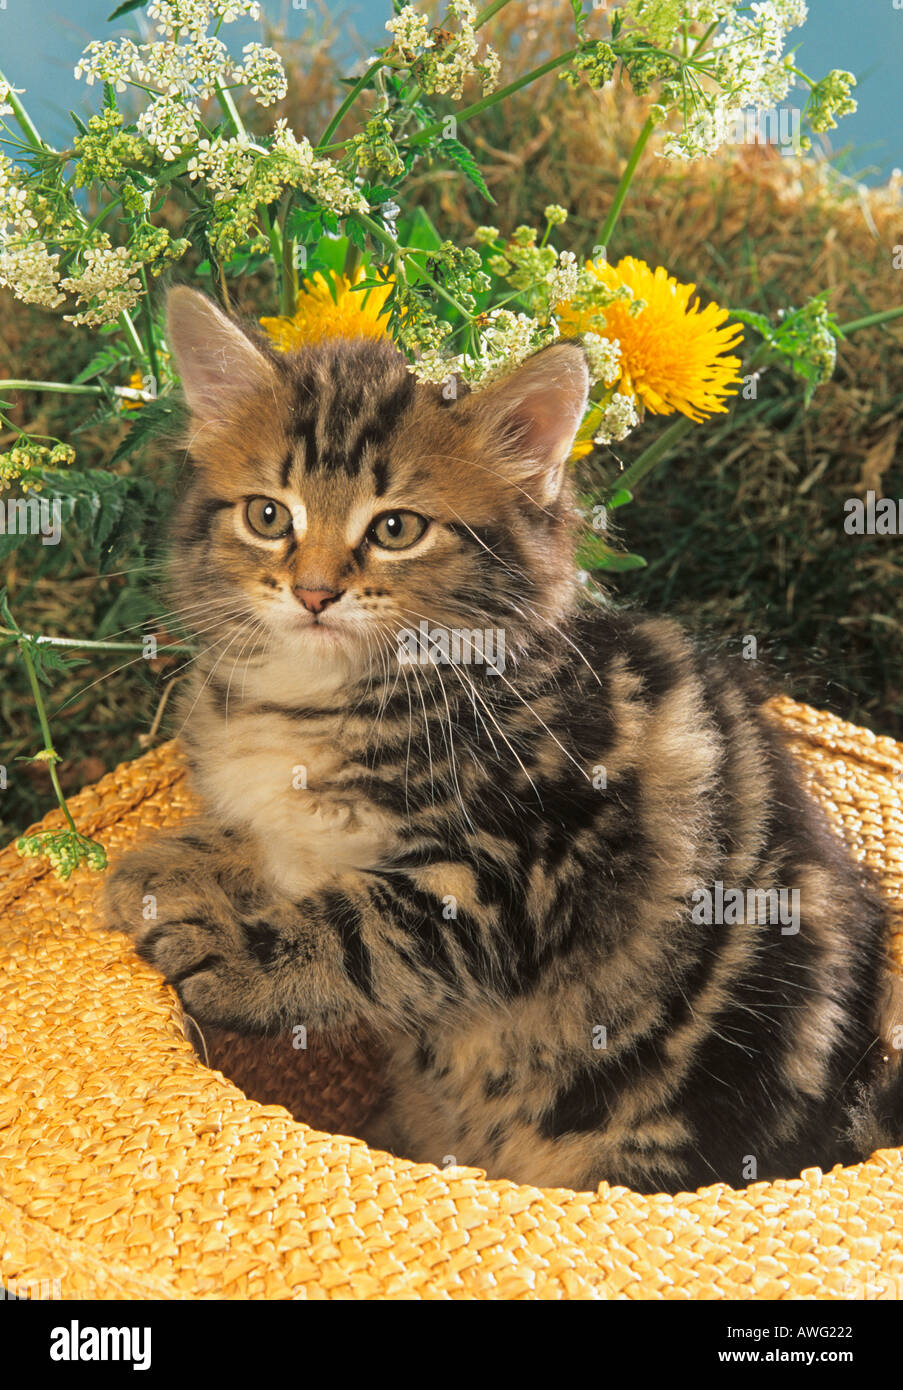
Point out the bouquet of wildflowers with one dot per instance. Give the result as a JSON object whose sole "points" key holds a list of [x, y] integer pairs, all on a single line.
{"points": [[185, 168]]}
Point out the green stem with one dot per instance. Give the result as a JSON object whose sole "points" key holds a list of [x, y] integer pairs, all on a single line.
{"points": [[131, 332], [289, 273], [151, 332], [376, 231], [492, 9], [871, 320], [128, 393], [363, 81], [227, 103], [349, 101], [45, 730], [626, 180], [78, 644], [26, 124], [428, 131], [654, 453]]}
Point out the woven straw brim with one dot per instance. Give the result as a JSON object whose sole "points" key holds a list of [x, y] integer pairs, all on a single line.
{"points": [[131, 1170]]}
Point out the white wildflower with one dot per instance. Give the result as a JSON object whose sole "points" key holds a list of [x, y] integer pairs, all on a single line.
{"points": [[263, 72], [109, 278], [504, 342], [16, 216], [604, 357], [169, 125], [489, 68], [435, 367], [445, 70], [319, 178], [564, 278], [745, 58], [224, 164], [619, 419], [189, 70], [411, 32], [187, 19], [230, 10], [32, 273], [111, 60]]}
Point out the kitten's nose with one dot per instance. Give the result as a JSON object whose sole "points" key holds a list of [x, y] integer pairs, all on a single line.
{"points": [[315, 600]]}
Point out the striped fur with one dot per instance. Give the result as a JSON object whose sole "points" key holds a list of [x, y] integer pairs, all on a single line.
{"points": [[431, 850]]}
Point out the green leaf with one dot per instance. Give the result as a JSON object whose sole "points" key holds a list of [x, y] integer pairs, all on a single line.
{"points": [[460, 156], [329, 252], [579, 19], [103, 360], [594, 553], [163, 416], [757, 321], [78, 123], [619, 498], [357, 234], [47, 660], [419, 231], [126, 8]]}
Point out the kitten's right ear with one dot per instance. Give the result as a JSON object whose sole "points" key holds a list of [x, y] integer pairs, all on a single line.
{"points": [[218, 364]]}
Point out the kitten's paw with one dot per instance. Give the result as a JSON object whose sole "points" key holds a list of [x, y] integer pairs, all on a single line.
{"points": [[169, 896]]}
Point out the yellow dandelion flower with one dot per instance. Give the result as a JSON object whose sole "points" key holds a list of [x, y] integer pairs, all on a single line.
{"points": [[136, 382], [672, 352], [352, 314]]}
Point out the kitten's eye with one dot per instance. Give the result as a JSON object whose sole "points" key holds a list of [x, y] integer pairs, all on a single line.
{"points": [[268, 518], [397, 530]]}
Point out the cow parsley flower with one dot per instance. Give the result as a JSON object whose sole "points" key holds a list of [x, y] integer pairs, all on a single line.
{"points": [[107, 284], [564, 278], [411, 32], [319, 178], [263, 72], [190, 19], [32, 273], [603, 357], [109, 60], [187, 19], [505, 340], [443, 58], [619, 418], [743, 64], [225, 165]]}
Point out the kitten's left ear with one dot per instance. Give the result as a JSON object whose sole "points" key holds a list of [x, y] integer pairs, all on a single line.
{"points": [[529, 419], [218, 364]]}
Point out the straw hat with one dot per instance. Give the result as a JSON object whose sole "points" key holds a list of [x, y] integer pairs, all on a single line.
{"points": [[129, 1169]]}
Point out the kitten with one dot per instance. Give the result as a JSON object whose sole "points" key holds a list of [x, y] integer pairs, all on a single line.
{"points": [[502, 866]]}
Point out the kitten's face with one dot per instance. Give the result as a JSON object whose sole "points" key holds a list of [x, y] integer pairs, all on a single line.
{"points": [[337, 502]]}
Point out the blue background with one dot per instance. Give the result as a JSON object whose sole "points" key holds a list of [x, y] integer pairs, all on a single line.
{"points": [[40, 42]]}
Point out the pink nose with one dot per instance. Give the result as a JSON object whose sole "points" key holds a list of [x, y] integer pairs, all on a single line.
{"points": [[315, 600]]}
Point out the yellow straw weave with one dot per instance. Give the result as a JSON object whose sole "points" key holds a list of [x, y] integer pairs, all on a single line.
{"points": [[130, 1170]]}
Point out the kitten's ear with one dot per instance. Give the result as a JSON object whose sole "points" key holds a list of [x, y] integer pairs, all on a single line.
{"points": [[533, 414], [218, 364]]}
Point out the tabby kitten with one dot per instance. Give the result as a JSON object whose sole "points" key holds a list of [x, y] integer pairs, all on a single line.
{"points": [[500, 866]]}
